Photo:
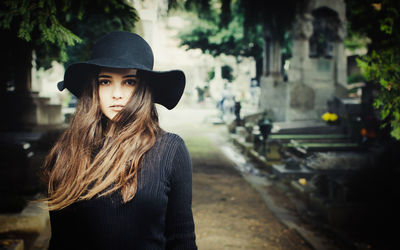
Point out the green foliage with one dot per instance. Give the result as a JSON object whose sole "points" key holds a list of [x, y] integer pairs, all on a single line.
{"points": [[51, 27], [210, 75], [355, 78], [275, 17], [37, 22], [239, 27], [216, 35], [384, 68], [355, 41], [382, 64], [98, 20]]}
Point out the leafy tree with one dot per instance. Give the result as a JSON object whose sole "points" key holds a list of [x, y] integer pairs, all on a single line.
{"points": [[49, 28], [381, 65], [215, 35], [220, 30], [239, 27]]}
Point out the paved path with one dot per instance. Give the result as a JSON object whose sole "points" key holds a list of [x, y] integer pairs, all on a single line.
{"points": [[229, 213]]}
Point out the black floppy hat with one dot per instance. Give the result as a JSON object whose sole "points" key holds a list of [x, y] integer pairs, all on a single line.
{"points": [[121, 49]]}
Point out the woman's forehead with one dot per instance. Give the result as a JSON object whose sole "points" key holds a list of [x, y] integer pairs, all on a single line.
{"points": [[118, 71]]}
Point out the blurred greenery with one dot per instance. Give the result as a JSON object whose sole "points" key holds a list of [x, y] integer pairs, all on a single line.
{"points": [[239, 27], [97, 20], [381, 65], [51, 28], [214, 38], [355, 40], [210, 75], [355, 78]]}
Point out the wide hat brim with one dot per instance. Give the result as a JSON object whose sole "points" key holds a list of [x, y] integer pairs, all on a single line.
{"points": [[167, 86]]}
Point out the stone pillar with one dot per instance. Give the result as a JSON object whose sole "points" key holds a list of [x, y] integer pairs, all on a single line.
{"points": [[272, 60], [301, 33], [273, 89], [276, 59], [300, 96], [266, 69], [341, 63]]}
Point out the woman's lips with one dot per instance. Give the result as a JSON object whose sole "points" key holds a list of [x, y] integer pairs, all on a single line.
{"points": [[116, 107]]}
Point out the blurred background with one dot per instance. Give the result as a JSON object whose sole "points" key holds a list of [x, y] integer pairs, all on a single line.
{"points": [[291, 113]]}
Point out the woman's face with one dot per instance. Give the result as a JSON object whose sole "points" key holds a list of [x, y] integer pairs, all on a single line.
{"points": [[116, 87]]}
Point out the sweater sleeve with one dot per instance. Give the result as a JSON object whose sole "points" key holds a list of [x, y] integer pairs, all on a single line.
{"points": [[179, 219]]}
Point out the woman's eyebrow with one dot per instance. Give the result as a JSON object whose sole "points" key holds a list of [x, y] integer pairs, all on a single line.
{"points": [[130, 76], [126, 76], [105, 76]]}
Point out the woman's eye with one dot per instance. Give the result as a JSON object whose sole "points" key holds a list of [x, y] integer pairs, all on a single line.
{"points": [[130, 82], [103, 82]]}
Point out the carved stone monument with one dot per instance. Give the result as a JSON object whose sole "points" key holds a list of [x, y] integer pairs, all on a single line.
{"points": [[317, 69]]}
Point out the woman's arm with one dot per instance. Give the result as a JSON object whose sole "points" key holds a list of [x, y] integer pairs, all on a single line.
{"points": [[179, 220]]}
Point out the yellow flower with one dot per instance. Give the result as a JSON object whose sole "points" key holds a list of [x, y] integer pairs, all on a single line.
{"points": [[330, 117], [326, 116], [334, 117]]}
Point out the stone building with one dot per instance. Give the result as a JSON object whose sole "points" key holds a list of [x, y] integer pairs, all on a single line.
{"points": [[317, 69]]}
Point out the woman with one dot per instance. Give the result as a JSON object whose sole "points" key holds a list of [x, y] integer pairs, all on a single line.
{"points": [[116, 180]]}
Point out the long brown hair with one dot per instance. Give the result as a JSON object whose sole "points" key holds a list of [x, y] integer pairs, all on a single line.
{"points": [[73, 172]]}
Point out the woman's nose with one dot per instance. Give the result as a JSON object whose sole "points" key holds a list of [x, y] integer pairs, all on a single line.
{"points": [[117, 92]]}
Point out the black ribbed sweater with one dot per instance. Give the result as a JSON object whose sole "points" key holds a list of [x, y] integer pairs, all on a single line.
{"points": [[158, 217]]}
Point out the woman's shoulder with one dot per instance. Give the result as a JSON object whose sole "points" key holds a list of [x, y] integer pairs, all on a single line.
{"points": [[167, 147], [168, 143], [170, 139]]}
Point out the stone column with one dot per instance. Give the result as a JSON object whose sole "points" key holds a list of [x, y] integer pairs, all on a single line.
{"points": [[300, 99], [273, 89], [276, 59], [301, 33], [341, 62], [272, 61]]}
